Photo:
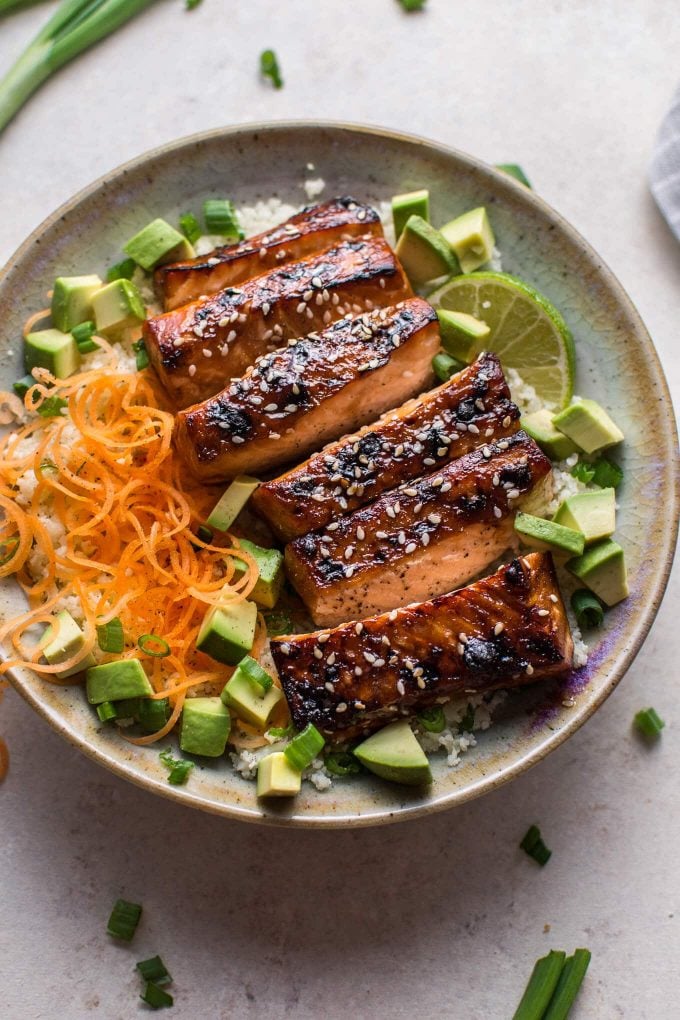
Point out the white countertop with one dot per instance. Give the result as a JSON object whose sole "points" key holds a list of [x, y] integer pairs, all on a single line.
{"points": [[436, 918]]}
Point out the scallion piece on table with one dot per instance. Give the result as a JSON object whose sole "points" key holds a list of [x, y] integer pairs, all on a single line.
{"points": [[587, 609], [110, 636], [156, 997], [107, 711], [304, 747], [190, 6], [178, 768], [606, 474], [220, 218], [253, 670], [123, 270], [82, 334], [341, 763], [154, 970], [514, 170], [583, 472], [7, 6], [649, 723], [444, 366], [152, 644], [141, 355], [542, 984], [432, 719], [190, 227], [412, 5], [269, 68], [74, 26], [570, 981], [533, 845], [124, 920]]}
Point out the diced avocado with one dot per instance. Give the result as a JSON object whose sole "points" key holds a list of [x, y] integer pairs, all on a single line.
{"points": [[602, 568], [206, 724], [538, 533], [156, 244], [232, 502], [393, 753], [51, 349], [591, 513], [72, 300], [115, 681], [423, 252], [242, 695], [471, 238], [270, 577], [539, 425], [588, 425], [227, 633], [117, 306], [413, 203], [68, 640], [276, 777], [461, 333]]}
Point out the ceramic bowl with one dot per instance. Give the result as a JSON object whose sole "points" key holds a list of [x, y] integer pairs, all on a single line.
{"points": [[617, 364]]}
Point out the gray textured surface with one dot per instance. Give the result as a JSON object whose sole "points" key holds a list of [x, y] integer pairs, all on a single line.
{"points": [[435, 918]]}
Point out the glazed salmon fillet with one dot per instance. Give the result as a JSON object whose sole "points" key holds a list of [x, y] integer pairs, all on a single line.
{"points": [[198, 348], [507, 630], [314, 229], [420, 540], [473, 407], [311, 391]]}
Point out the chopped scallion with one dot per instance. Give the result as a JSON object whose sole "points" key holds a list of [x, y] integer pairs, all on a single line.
{"points": [[152, 644], [107, 711], [542, 984], [191, 5], [444, 366], [533, 845], [51, 407], [570, 981], [514, 170], [432, 719], [220, 218], [342, 763], [190, 227], [124, 920], [253, 670], [412, 5], [23, 385], [178, 768], [649, 723], [110, 636], [280, 732], [141, 355], [269, 68], [82, 334], [154, 970], [278, 623], [304, 747], [467, 723], [123, 270], [153, 713], [156, 997], [8, 548], [205, 534], [606, 474], [587, 609], [584, 472]]}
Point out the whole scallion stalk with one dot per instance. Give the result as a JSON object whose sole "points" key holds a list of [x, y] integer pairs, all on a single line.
{"points": [[75, 26]]}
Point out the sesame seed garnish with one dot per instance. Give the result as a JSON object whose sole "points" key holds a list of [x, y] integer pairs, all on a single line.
{"points": [[308, 295], [442, 451], [330, 660], [342, 707], [496, 480], [461, 648], [271, 407], [499, 628], [390, 511], [463, 638], [361, 534], [290, 408], [266, 308], [322, 638], [207, 353], [223, 322], [446, 487], [349, 571], [411, 492], [425, 538], [544, 612], [436, 482], [369, 657], [497, 512], [506, 421], [553, 598], [401, 688], [358, 629], [473, 428], [392, 616], [529, 670], [358, 671], [410, 548], [237, 439], [513, 493], [192, 370], [434, 519], [421, 683], [285, 648], [385, 640], [401, 538], [263, 252], [318, 654], [486, 452], [361, 215], [329, 687], [399, 450], [349, 552]]}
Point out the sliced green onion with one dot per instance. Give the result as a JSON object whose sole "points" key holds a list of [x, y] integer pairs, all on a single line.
{"points": [[153, 713], [128, 708], [154, 970], [432, 719], [342, 763], [568, 985], [156, 997], [124, 920], [110, 636], [152, 644], [123, 270], [82, 334], [587, 609], [178, 768], [649, 723], [269, 68], [467, 723], [412, 5], [141, 355], [51, 407], [253, 670], [48, 466], [191, 5], [205, 534], [278, 623], [8, 548], [280, 732], [107, 711], [514, 170], [542, 984], [190, 227], [7, 6], [444, 366], [220, 218], [584, 472], [23, 385], [606, 474], [533, 845], [304, 748]]}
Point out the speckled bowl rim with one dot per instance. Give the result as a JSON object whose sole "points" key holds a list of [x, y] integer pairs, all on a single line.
{"points": [[486, 783]]}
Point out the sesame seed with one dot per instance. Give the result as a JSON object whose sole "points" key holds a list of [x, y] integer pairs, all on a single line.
{"points": [[330, 660], [506, 421], [385, 640], [318, 654], [499, 628], [358, 629], [513, 493], [463, 638], [290, 408], [348, 552], [529, 670], [358, 671], [361, 215], [473, 429], [486, 452], [390, 511], [461, 648], [342, 707], [308, 295], [207, 353], [237, 439], [411, 492], [553, 598], [271, 407], [192, 370], [285, 648], [333, 527], [399, 450], [329, 687], [263, 252], [436, 482], [544, 612], [361, 534], [266, 308], [392, 616], [401, 538], [410, 548], [322, 638], [359, 705], [301, 307], [421, 683], [446, 487], [496, 480], [497, 512], [223, 322], [369, 657], [401, 688], [442, 451], [425, 538], [434, 519], [417, 508]]}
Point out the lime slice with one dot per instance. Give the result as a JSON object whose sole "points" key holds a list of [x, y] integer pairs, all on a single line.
{"points": [[527, 332]]}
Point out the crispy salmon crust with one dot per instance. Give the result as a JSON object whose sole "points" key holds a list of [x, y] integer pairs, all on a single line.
{"points": [[196, 349], [315, 228], [473, 407], [507, 630], [309, 392], [420, 540]]}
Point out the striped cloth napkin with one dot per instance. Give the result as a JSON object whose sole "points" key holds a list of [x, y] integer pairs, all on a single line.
{"points": [[664, 173]]}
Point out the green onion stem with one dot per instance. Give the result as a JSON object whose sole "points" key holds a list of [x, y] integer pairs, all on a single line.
{"points": [[542, 984], [568, 985], [7, 6]]}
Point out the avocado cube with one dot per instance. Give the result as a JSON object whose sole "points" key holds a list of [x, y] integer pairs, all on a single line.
{"points": [[116, 307], [270, 573], [539, 425], [247, 700], [588, 425], [72, 300], [413, 203], [471, 238], [276, 777], [116, 681], [393, 753], [156, 244], [538, 533], [153, 713], [206, 724], [227, 632], [591, 513], [602, 568], [424, 253], [51, 349], [68, 640], [231, 503], [462, 334]]}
